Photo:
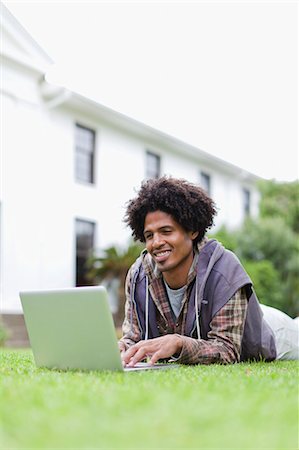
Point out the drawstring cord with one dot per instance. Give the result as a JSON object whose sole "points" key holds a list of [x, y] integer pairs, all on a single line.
{"points": [[146, 308], [197, 313], [132, 295]]}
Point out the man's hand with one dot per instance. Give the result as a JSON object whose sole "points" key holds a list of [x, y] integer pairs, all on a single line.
{"points": [[122, 349], [161, 347], [121, 346]]}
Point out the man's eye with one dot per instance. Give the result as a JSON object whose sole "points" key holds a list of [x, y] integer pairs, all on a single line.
{"points": [[148, 236]]}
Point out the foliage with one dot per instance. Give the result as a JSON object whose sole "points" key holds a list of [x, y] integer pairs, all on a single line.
{"points": [[3, 334], [227, 238], [176, 409], [266, 282], [269, 247], [290, 284], [280, 200], [267, 238], [114, 263]]}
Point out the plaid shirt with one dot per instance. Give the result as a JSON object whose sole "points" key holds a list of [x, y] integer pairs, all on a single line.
{"points": [[224, 339]]}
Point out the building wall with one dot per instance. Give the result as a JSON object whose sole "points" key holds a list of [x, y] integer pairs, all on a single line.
{"points": [[35, 218], [40, 198]]}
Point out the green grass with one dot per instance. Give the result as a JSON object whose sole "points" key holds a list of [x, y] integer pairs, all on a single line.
{"points": [[250, 406]]}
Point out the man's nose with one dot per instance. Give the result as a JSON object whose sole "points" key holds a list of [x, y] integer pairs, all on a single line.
{"points": [[157, 240]]}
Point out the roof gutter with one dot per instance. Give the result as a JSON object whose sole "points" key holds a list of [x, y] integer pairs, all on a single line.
{"points": [[52, 95], [59, 99]]}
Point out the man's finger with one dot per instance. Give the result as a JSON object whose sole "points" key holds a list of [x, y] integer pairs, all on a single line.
{"points": [[156, 356], [139, 356], [131, 351], [122, 347]]}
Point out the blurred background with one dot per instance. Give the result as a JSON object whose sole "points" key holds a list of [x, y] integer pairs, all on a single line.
{"points": [[98, 96]]}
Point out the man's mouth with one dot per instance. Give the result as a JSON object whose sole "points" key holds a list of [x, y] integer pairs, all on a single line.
{"points": [[162, 255]]}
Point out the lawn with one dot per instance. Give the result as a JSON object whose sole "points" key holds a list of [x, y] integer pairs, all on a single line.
{"points": [[250, 406]]}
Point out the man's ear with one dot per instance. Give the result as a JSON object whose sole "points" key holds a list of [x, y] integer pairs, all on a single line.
{"points": [[194, 235]]}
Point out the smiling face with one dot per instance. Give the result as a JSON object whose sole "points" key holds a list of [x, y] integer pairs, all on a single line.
{"points": [[170, 246]]}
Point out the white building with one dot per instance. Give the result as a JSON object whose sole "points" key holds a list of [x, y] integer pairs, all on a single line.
{"points": [[68, 167]]}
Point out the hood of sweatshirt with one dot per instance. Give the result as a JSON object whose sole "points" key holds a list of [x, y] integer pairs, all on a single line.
{"points": [[206, 255]]}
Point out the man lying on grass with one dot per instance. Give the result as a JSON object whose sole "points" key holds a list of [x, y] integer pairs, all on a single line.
{"points": [[188, 298]]}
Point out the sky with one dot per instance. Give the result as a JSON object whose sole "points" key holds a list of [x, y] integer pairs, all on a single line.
{"points": [[220, 75]]}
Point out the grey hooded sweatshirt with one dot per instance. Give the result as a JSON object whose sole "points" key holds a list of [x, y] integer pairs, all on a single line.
{"points": [[219, 275]]}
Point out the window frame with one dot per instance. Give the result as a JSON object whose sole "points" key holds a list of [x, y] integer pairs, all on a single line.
{"points": [[246, 201], [157, 156], [206, 176], [85, 253], [85, 152]]}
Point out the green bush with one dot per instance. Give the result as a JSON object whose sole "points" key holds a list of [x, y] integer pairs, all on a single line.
{"points": [[268, 248], [272, 240], [114, 263], [268, 238], [227, 238], [266, 282], [280, 200], [3, 334]]}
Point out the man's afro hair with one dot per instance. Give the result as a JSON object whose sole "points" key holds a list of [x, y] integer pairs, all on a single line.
{"points": [[187, 203]]}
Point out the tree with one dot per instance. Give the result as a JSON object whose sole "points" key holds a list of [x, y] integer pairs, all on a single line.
{"points": [[267, 238], [270, 240], [266, 282], [114, 264], [280, 200], [268, 249], [227, 238]]}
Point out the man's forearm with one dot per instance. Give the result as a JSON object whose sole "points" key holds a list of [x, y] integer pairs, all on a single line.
{"points": [[202, 351]]}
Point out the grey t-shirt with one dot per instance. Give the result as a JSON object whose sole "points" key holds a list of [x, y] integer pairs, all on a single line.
{"points": [[175, 297]]}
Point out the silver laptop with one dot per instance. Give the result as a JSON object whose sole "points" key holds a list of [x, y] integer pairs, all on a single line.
{"points": [[73, 329]]}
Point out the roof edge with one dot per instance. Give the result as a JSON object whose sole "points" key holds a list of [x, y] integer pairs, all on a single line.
{"points": [[12, 25], [140, 128], [132, 125]]}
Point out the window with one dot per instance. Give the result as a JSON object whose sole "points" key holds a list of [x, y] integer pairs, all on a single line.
{"points": [[205, 182], [246, 201], [85, 150], [153, 163], [84, 245]]}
